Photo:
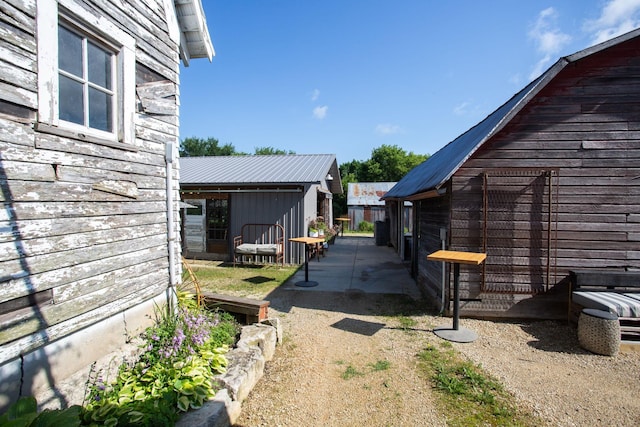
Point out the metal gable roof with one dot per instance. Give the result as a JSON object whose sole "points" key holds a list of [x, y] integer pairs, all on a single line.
{"points": [[259, 169], [437, 169]]}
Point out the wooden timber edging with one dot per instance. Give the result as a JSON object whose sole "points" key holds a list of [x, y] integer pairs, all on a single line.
{"points": [[246, 310]]}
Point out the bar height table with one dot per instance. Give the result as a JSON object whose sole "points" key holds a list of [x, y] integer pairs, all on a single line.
{"points": [[457, 334], [307, 241], [342, 221]]}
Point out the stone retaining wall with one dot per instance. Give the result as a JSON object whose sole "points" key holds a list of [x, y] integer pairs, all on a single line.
{"points": [[256, 346]]}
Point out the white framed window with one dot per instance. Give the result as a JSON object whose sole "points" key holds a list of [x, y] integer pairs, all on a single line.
{"points": [[86, 74]]}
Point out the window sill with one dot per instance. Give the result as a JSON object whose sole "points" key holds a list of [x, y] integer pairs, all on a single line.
{"points": [[55, 130]]}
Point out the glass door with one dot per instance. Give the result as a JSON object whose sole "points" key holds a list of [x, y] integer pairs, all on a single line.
{"points": [[217, 225]]}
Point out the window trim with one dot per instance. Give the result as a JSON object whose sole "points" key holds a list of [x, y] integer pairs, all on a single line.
{"points": [[47, 16]]}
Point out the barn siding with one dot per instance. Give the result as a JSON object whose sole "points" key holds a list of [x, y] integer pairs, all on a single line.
{"points": [[84, 224], [432, 216], [584, 123], [284, 208]]}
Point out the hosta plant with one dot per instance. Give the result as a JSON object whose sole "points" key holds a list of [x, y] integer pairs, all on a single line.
{"points": [[182, 353]]}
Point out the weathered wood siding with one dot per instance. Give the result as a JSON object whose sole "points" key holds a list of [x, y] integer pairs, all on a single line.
{"points": [[585, 124], [83, 225], [432, 216]]}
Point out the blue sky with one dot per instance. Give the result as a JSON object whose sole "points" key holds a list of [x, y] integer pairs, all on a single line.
{"points": [[347, 76]]}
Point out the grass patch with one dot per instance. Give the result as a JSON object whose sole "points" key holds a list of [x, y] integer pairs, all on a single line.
{"points": [[406, 323], [351, 372], [246, 281], [466, 394], [380, 365]]}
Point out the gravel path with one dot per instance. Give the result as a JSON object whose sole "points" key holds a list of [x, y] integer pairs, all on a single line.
{"points": [[331, 369]]}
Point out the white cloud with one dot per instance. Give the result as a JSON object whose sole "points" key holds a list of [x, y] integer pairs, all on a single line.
{"points": [[548, 38], [315, 95], [516, 80], [387, 129], [461, 109], [546, 34], [540, 67], [617, 17], [320, 112]]}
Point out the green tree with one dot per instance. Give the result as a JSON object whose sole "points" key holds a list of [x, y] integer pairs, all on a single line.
{"points": [[389, 163], [271, 151], [196, 147]]}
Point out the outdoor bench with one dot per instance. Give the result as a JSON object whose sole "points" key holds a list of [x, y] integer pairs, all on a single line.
{"points": [[259, 242], [246, 310], [616, 292]]}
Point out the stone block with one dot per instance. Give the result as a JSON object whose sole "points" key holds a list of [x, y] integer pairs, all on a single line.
{"points": [[245, 368], [259, 335]]}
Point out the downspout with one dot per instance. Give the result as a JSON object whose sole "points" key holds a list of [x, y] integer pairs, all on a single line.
{"points": [[170, 225]]}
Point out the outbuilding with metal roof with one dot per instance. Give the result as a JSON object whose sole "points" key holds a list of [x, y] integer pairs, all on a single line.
{"points": [[547, 183], [230, 191]]}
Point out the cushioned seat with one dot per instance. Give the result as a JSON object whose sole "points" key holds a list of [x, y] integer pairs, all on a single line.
{"points": [[624, 305], [267, 249], [247, 249]]}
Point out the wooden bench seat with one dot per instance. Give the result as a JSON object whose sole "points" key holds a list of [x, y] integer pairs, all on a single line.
{"points": [[246, 310]]}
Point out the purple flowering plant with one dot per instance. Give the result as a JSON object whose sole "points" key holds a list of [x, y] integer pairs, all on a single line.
{"points": [[181, 354]]}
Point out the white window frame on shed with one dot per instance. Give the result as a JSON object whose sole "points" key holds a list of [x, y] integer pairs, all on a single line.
{"points": [[98, 31]]}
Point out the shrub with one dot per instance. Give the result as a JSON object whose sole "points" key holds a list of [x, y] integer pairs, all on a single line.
{"points": [[365, 226]]}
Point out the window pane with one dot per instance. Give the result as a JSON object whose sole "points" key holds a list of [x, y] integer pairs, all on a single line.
{"points": [[100, 110], [69, 51], [70, 104], [99, 66]]}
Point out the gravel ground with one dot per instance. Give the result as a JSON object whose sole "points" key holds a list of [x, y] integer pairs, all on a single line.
{"points": [[330, 370]]}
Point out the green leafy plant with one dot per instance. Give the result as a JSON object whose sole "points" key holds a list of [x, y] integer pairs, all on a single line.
{"points": [[183, 352], [24, 413]]}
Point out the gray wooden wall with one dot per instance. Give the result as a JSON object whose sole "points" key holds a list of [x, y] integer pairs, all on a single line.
{"points": [[83, 229]]}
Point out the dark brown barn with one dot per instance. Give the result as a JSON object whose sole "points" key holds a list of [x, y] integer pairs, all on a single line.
{"points": [[547, 183]]}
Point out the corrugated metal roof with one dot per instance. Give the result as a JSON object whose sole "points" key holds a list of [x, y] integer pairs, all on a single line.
{"points": [[262, 169], [437, 169], [367, 193]]}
